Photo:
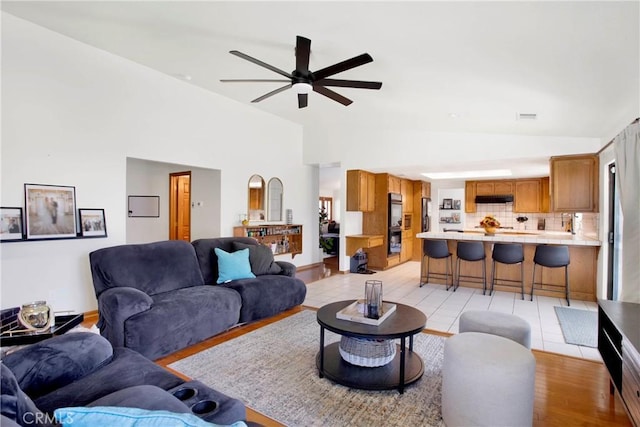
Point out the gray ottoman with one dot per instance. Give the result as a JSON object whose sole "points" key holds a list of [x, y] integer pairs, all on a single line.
{"points": [[487, 380], [502, 324]]}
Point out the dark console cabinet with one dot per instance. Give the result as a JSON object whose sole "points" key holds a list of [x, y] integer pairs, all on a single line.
{"points": [[619, 346]]}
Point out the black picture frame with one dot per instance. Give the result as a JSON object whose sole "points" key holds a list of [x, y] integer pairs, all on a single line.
{"points": [[10, 218], [447, 203], [92, 222], [50, 212], [456, 204]]}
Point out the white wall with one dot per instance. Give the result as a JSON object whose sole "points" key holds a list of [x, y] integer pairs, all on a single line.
{"points": [[72, 115], [145, 178]]}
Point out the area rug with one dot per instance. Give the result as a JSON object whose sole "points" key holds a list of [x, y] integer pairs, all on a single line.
{"points": [[579, 327], [273, 370]]}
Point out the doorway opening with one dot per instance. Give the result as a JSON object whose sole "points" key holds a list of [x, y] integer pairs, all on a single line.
{"points": [[180, 206]]}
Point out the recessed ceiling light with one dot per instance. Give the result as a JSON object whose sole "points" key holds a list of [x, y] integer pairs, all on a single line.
{"points": [[468, 174], [180, 76]]}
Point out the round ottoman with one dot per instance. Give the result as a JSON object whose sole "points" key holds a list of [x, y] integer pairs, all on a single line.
{"points": [[487, 380], [491, 322]]}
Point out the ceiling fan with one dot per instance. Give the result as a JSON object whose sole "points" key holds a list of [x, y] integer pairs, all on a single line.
{"points": [[302, 80]]}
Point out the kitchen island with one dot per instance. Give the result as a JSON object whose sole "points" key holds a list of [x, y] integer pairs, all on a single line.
{"points": [[583, 251]]}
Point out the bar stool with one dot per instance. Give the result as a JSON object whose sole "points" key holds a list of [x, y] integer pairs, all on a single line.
{"points": [[507, 253], [552, 256], [437, 249], [471, 252]]}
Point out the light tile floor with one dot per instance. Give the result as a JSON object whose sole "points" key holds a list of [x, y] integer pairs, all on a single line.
{"points": [[443, 308]]}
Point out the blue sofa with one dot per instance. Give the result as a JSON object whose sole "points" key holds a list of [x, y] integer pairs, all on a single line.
{"points": [[157, 298], [82, 369]]}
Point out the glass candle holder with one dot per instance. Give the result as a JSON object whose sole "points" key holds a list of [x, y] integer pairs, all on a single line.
{"points": [[373, 299]]}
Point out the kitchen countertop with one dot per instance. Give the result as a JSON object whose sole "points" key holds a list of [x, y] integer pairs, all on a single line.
{"points": [[517, 236]]}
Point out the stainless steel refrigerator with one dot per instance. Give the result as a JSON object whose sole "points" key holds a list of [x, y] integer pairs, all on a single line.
{"points": [[425, 215]]}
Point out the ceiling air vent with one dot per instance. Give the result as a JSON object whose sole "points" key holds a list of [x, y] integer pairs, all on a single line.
{"points": [[527, 116]]}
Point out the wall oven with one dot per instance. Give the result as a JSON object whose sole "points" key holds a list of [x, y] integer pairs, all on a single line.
{"points": [[394, 241]]}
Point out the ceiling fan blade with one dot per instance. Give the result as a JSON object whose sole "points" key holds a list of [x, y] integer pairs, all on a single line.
{"points": [[349, 83], [331, 94], [303, 51], [252, 80], [260, 63], [303, 100], [273, 92], [343, 66]]}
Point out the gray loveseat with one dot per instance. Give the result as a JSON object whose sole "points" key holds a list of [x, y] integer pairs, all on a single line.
{"points": [[82, 370], [157, 298]]}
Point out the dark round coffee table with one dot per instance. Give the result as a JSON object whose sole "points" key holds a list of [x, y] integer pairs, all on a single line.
{"points": [[406, 367]]}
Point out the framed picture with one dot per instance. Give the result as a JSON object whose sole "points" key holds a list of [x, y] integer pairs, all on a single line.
{"points": [[92, 223], [456, 204], [50, 211], [447, 204], [11, 224]]}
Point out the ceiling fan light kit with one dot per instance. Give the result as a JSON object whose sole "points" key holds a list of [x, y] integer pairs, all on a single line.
{"points": [[303, 81]]}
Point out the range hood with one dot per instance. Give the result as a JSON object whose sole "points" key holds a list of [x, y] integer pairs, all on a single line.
{"points": [[499, 198]]}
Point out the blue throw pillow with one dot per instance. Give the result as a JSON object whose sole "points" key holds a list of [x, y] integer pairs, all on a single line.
{"points": [[233, 266], [128, 417]]}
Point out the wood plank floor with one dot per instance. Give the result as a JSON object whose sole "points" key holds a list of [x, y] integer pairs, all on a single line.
{"points": [[568, 391]]}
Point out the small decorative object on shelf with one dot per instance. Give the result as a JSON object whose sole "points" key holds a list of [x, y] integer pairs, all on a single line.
{"points": [[289, 216], [373, 299], [490, 224]]}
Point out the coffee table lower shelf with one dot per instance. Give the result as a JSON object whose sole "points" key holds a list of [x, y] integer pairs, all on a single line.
{"points": [[385, 377]]}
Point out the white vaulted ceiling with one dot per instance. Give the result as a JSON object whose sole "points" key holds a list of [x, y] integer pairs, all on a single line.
{"points": [[445, 66]]}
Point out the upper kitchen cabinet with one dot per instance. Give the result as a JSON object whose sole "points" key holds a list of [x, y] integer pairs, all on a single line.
{"points": [[574, 183], [406, 189], [361, 191], [423, 187], [492, 188], [532, 195], [470, 196], [394, 185]]}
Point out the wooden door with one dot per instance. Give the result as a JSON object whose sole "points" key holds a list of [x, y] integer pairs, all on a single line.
{"points": [[180, 206], [574, 183], [470, 196]]}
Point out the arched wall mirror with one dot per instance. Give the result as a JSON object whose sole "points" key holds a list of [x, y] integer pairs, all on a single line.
{"points": [[256, 198], [274, 194]]}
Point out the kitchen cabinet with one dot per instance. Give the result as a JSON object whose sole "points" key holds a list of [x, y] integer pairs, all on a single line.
{"points": [[394, 185], [423, 188], [361, 191], [406, 252], [528, 195], [574, 183], [545, 198], [492, 188], [406, 189], [470, 196]]}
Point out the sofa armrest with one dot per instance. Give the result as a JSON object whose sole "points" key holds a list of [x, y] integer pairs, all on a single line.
{"points": [[115, 306], [55, 362], [288, 269]]}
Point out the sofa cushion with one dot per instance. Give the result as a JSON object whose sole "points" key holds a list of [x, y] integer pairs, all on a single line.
{"points": [[127, 368], [181, 318], [152, 268], [260, 258], [15, 405], [233, 266], [267, 295], [58, 361], [129, 417]]}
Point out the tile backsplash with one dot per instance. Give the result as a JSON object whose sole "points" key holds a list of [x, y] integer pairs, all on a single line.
{"points": [[585, 222]]}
